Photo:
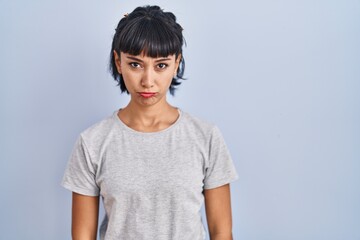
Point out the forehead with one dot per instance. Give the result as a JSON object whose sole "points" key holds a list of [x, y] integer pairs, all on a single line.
{"points": [[144, 57]]}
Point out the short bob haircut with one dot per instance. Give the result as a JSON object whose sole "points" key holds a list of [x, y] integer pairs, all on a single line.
{"points": [[151, 31]]}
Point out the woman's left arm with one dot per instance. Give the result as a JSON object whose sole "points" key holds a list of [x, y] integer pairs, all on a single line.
{"points": [[218, 212]]}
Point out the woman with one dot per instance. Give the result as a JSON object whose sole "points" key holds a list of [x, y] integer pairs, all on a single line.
{"points": [[153, 164]]}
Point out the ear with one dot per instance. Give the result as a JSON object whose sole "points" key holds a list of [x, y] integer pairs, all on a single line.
{"points": [[177, 62], [117, 61]]}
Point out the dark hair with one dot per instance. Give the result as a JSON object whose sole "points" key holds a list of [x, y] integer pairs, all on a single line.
{"points": [[150, 30]]}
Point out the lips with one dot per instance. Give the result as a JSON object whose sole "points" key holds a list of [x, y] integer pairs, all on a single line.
{"points": [[147, 94]]}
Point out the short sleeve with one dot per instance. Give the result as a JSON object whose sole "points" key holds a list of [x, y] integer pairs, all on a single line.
{"points": [[80, 174], [220, 169]]}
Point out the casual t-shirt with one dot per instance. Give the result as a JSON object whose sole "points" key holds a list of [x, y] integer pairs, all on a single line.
{"points": [[151, 184]]}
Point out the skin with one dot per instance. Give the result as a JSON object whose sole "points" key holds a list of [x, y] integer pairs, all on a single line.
{"points": [[85, 213], [218, 212], [145, 74]]}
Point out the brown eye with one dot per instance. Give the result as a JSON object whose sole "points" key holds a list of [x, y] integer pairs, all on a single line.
{"points": [[134, 65], [162, 65]]}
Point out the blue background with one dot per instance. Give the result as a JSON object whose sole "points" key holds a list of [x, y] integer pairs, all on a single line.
{"points": [[280, 78]]}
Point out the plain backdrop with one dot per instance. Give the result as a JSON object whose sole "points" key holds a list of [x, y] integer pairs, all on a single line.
{"points": [[280, 78]]}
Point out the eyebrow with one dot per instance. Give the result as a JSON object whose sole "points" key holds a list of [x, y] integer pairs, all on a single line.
{"points": [[139, 60]]}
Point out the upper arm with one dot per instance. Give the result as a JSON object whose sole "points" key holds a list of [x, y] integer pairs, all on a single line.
{"points": [[85, 211], [218, 210]]}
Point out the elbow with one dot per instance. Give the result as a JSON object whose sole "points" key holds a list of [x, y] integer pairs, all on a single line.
{"points": [[221, 236]]}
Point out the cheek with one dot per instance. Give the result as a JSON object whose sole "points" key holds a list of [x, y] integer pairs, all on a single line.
{"points": [[130, 79], [164, 83], [167, 78]]}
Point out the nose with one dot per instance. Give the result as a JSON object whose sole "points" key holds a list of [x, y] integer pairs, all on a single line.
{"points": [[147, 80]]}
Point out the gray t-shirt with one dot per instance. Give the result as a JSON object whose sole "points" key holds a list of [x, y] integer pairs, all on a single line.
{"points": [[151, 184]]}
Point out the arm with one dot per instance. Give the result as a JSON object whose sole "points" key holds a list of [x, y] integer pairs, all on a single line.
{"points": [[218, 212], [85, 211]]}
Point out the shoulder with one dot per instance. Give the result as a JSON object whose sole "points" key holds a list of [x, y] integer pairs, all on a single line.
{"points": [[99, 130], [198, 125]]}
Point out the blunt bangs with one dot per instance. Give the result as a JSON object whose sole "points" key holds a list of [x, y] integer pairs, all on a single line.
{"points": [[150, 37]]}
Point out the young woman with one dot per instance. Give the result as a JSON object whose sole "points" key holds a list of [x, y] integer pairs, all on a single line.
{"points": [[153, 164]]}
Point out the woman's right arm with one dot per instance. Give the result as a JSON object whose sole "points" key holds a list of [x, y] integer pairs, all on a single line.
{"points": [[85, 212]]}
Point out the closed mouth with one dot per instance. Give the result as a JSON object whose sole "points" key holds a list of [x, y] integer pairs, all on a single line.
{"points": [[147, 94]]}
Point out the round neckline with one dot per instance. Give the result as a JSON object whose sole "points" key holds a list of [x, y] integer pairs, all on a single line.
{"points": [[126, 127]]}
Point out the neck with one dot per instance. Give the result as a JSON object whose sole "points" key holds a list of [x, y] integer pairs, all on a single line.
{"points": [[148, 118]]}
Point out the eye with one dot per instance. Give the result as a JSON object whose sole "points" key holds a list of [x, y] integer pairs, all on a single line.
{"points": [[134, 65], [162, 65]]}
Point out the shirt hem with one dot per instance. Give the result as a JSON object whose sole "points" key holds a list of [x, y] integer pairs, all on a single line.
{"points": [[79, 190], [221, 182]]}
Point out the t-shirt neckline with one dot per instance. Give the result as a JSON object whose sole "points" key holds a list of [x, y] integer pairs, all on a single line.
{"points": [[127, 128]]}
